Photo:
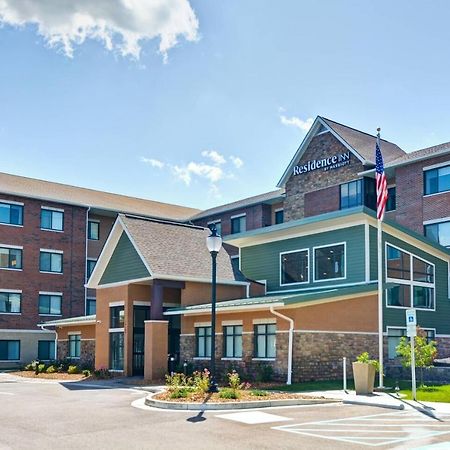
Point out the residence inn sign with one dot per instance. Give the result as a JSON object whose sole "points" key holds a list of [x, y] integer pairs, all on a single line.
{"points": [[333, 162]]}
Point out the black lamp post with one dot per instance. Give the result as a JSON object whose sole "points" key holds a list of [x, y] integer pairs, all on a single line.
{"points": [[214, 244]]}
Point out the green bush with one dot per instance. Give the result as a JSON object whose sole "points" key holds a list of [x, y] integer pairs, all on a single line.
{"points": [[259, 393], [86, 373], [30, 367], [229, 393], [180, 393], [51, 369], [41, 368], [264, 373], [73, 369], [102, 373], [201, 380], [364, 358]]}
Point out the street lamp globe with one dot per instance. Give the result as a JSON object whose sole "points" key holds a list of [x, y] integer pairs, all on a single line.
{"points": [[214, 241]]}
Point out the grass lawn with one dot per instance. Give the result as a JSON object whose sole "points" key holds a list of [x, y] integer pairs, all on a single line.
{"points": [[429, 393]]}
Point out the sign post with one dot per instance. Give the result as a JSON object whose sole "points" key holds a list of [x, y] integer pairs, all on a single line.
{"points": [[411, 332]]}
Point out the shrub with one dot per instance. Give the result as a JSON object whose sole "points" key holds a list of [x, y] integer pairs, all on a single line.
{"points": [[41, 368], [259, 393], [86, 373], [234, 380], [102, 373], [201, 380], [264, 373], [180, 393], [73, 369], [31, 366], [364, 358], [177, 380], [229, 393], [51, 369]]}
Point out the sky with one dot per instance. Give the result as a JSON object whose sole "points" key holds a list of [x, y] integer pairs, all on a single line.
{"points": [[203, 102]]}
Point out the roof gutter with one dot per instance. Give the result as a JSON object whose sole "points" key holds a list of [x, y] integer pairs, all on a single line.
{"points": [[290, 342], [220, 310]]}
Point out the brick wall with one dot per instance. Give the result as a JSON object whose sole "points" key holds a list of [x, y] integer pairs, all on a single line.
{"points": [[321, 146], [71, 241], [322, 201], [87, 353]]}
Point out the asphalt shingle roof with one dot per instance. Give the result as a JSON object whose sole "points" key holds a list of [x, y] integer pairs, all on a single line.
{"points": [[177, 250], [423, 153]]}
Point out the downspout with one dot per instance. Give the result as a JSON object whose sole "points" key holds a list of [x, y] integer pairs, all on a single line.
{"points": [[42, 327], [290, 342]]}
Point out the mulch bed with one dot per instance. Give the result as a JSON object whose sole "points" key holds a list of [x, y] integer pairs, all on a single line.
{"points": [[244, 396], [50, 376]]}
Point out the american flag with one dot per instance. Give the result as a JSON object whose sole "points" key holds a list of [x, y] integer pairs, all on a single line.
{"points": [[382, 193]]}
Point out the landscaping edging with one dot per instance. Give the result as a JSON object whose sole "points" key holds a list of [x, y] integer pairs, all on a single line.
{"points": [[184, 406]]}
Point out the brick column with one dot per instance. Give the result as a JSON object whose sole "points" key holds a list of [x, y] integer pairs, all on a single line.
{"points": [[156, 348]]}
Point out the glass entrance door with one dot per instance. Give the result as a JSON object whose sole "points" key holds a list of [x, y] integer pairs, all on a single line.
{"points": [[140, 314]]}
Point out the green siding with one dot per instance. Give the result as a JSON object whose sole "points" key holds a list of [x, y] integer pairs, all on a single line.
{"points": [[262, 262], [124, 264]]}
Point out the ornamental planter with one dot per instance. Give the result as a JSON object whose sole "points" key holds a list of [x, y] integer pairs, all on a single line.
{"points": [[364, 376]]}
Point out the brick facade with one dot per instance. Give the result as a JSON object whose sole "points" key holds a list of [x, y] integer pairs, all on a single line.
{"points": [[322, 201], [87, 352]]}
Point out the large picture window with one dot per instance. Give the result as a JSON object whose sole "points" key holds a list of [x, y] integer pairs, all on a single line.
{"points": [[10, 258], [265, 340], [9, 350], [203, 342], [351, 194], [437, 180], [294, 267], [232, 340], [11, 214], [329, 262], [10, 302], [439, 232], [413, 280]]}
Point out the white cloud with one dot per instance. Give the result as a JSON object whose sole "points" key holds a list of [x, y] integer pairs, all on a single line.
{"points": [[182, 173], [303, 125], [121, 25], [153, 162], [237, 161], [216, 157]]}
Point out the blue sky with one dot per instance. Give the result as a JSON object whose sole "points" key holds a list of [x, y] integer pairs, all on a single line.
{"points": [[206, 126]]}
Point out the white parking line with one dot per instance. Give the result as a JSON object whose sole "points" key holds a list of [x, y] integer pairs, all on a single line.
{"points": [[6, 393], [253, 417]]}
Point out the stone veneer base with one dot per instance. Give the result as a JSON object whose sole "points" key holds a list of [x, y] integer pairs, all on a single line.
{"points": [[150, 401]]}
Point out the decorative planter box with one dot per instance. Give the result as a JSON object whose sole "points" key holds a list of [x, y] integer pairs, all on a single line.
{"points": [[364, 376]]}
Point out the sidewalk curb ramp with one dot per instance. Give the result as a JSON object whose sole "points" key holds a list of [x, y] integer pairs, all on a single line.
{"points": [[399, 407]]}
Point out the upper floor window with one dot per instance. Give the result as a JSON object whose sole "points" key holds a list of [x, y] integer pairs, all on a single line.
{"points": [[90, 264], [294, 267], [50, 304], [413, 278], [10, 302], [329, 262], [238, 224], [51, 261], [90, 306], [279, 216], [203, 342], [437, 180], [217, 224], [439, 232], [11, 213], [117, 317], [93, 230], [351, 194], [52, 219], [9, 350], [10, 258], [265, 340], [391, 204], [232, 341]]}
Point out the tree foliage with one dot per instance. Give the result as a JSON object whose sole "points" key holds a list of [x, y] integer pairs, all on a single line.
{"points": [[425, 352]]}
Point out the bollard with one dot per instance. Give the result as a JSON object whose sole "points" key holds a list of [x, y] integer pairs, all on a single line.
{"points": [[185, 364], [344, 365], [172, 360]]}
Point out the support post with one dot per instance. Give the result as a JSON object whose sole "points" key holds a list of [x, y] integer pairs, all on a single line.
{"points": [[380, 301], [213, 386], [413, 369], [344, 374]]}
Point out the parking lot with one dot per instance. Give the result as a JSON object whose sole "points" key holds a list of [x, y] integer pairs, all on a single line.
{"points": [[70, 415]]}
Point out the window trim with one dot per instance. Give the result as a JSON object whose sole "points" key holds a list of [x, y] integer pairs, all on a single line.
{"points": [[49, 208], [11, 202], [392, 186], [87, 231], [20, 349], [411, 283], [12, 291], [429, 168], [275, 215], [281, 265], [360, 181], [255, 341], [205, 340], [13, 247], [314, 262], [51, 251], [87, 265], [73, 334], [54, 349], [234, 357], [50, 294], [238, 216]]}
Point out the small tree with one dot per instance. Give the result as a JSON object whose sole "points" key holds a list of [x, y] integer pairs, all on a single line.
{"points": [[425, 352]]}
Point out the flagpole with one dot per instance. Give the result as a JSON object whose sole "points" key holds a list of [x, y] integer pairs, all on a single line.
{"points": [[380, 290]]}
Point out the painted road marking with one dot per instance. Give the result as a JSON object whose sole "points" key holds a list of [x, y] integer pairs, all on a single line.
{"points": [[374, 430], [6, 393], [253, 417]]}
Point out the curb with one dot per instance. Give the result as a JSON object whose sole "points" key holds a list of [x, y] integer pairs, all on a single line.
{"points": [[379, 405], [149, 401]]}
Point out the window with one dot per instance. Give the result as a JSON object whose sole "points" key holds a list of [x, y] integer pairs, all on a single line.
{"points": [[391, 204], [50, 261], [117, 317], [238, 224], [279, 216], [50, 304], [265, 340], [437, 180], [351, 194], [10, 258], [91, 305], [116, 342], [10, 302], [52, 219], [232, 340], [439, 232], [74, 345], [413, 278], [218, 225], [90, 264], [9, 350], [93, 230], [294, 267], [11, 214], [46, 350], [203, 342], [394, 336], [329, 262]]}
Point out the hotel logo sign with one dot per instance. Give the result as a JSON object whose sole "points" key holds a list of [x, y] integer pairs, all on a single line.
{"points": [[330, 163]]}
